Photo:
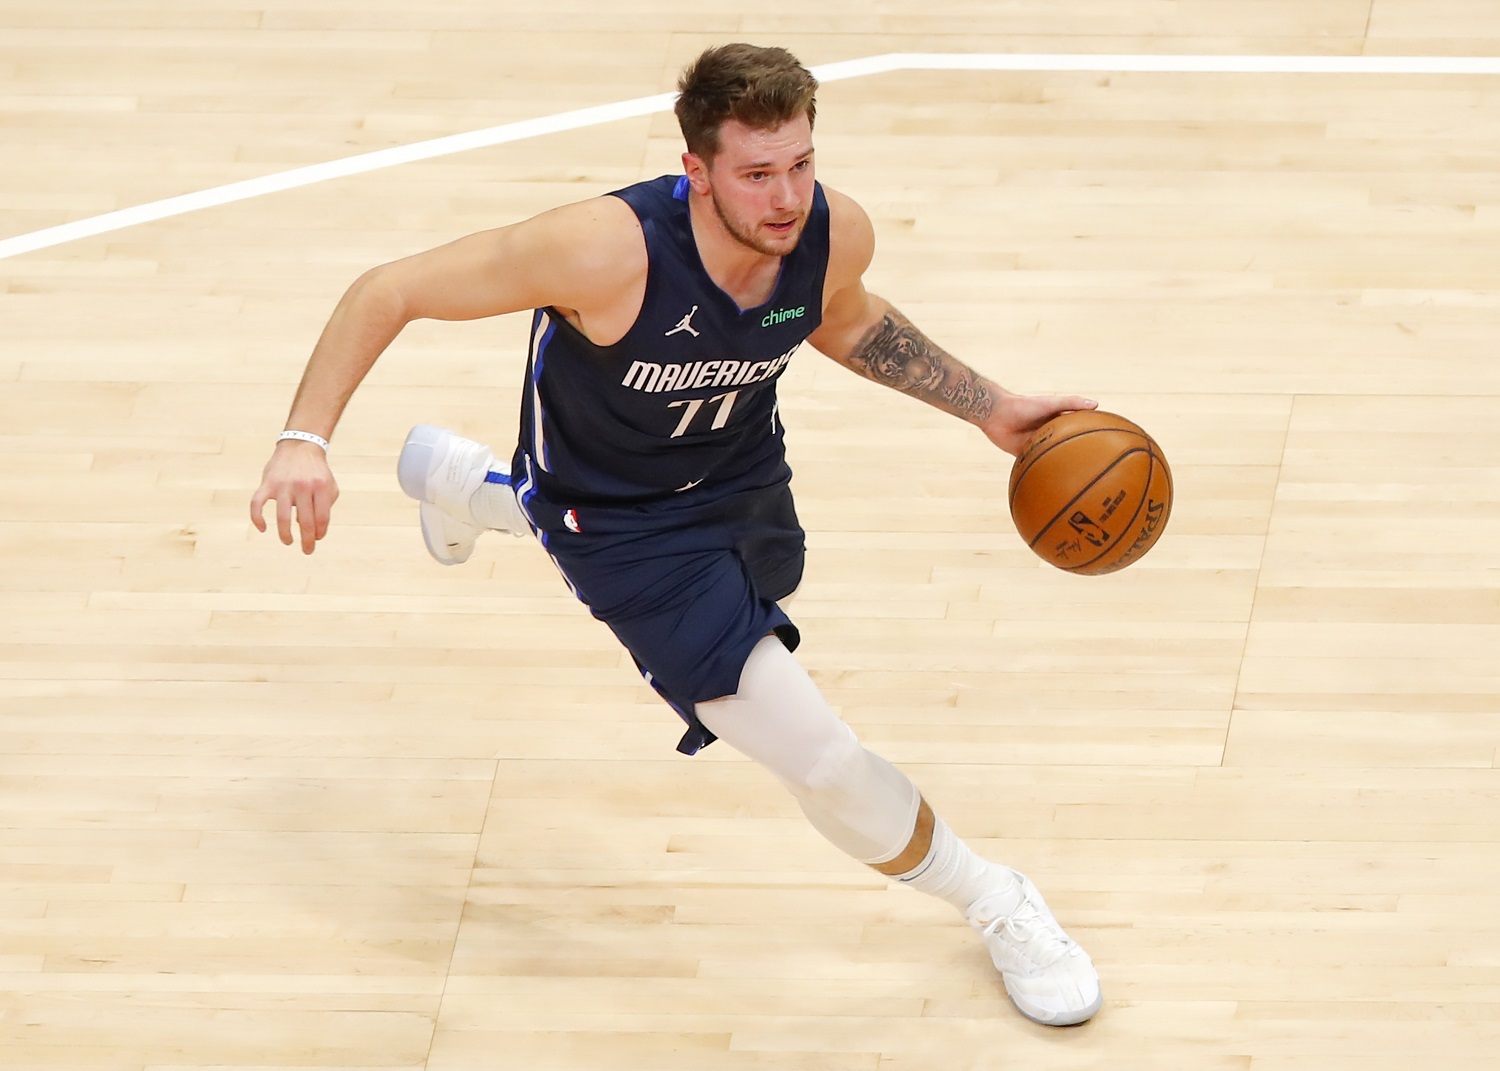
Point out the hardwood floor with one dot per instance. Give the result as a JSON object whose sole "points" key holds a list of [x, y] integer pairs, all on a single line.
{"points": [[360, 811]]}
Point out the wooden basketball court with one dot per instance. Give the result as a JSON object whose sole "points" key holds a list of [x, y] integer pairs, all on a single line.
{"points": [[359, 811]]}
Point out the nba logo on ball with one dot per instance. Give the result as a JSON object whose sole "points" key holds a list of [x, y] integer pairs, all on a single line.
{"points": [[1090, 492]]}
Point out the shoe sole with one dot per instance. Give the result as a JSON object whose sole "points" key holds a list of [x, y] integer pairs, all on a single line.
{"points": [[1064, 1019], [420, 459], [432, 518]]}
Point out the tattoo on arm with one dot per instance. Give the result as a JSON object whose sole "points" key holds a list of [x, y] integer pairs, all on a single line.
{"points": [[898, 355]]}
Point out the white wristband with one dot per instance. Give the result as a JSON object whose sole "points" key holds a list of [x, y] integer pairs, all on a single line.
{"points": [[305, 436]]}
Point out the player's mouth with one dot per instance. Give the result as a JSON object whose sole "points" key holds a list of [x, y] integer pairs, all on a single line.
{"points": [[783, 228]]}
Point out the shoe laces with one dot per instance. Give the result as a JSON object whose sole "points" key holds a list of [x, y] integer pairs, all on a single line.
{"points": [[1031, 933]]}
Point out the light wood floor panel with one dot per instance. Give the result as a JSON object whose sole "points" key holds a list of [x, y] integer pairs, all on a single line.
{"points": [[359, 811]]}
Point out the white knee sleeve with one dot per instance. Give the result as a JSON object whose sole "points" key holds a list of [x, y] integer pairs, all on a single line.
{"points": [[856, 799], [862, 803]]}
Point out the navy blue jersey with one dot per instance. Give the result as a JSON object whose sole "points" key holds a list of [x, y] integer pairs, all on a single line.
{"points": [[683, 408]]}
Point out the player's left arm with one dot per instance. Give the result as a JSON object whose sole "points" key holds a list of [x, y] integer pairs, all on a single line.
{"points": [[868, 335]]}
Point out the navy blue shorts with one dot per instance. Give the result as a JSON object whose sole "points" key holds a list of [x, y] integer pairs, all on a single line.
{"points": [[689, 600]]}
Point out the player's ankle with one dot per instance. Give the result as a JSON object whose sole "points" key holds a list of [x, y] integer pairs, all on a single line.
{"points": [[493, 505], [953, 872]]}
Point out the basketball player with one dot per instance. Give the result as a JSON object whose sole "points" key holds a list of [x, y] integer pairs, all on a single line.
{"points": [[650, 462]]}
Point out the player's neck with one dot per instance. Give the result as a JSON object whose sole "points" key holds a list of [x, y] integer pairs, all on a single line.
{"points": [[745, 274]]}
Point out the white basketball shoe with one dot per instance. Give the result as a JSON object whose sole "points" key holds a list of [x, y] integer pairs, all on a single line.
{"points": [[1049, 978], [450, 476]]}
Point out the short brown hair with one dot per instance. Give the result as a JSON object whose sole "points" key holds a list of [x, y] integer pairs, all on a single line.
{"points": [[760, 87]]}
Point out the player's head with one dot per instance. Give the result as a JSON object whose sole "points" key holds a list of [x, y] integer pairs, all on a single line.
{"points": [[747, 114], [761, 88]]}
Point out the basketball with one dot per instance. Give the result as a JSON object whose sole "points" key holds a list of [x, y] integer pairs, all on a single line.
{"points": [[1090, 492]]}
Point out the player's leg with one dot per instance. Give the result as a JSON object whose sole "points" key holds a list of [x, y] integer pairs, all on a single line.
{"points": [[463, 491], [873, 812], [692, 605]]}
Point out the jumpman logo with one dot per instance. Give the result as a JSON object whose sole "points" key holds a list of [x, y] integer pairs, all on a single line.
{"points": [[686, 324]]}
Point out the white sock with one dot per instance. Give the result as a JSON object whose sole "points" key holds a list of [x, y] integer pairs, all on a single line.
{"points": [[494, 506], [953, 872]]}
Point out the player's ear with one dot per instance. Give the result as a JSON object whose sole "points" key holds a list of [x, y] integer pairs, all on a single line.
{"points": [[696, 171]]}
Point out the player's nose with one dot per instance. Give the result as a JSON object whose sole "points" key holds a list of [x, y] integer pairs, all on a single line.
{"points": [[783, 193]]}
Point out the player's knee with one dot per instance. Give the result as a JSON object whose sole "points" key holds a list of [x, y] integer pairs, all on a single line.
{"points": [[836, 769]]}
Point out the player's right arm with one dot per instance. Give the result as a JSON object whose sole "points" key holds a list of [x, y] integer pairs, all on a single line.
{"points": [[587, 259]]}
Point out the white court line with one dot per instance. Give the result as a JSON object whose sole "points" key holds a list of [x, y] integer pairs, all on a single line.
{"points": [[830, 72]]}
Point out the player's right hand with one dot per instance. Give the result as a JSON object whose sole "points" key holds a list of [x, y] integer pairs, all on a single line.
{"points": [[299, 479]]}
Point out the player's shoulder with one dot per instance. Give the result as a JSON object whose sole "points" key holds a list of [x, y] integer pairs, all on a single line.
{"points": [[599, 231], [851, 236], [590, 252], [845, 214]]}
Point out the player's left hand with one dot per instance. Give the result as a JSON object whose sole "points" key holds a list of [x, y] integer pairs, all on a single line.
{"points": [[1016, 416]]}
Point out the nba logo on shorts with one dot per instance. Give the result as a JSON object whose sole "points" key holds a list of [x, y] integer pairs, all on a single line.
{"points": [[570, 520]]}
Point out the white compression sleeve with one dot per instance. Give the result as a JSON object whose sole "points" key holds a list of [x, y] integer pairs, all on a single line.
{"points": [[861, 803]]}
